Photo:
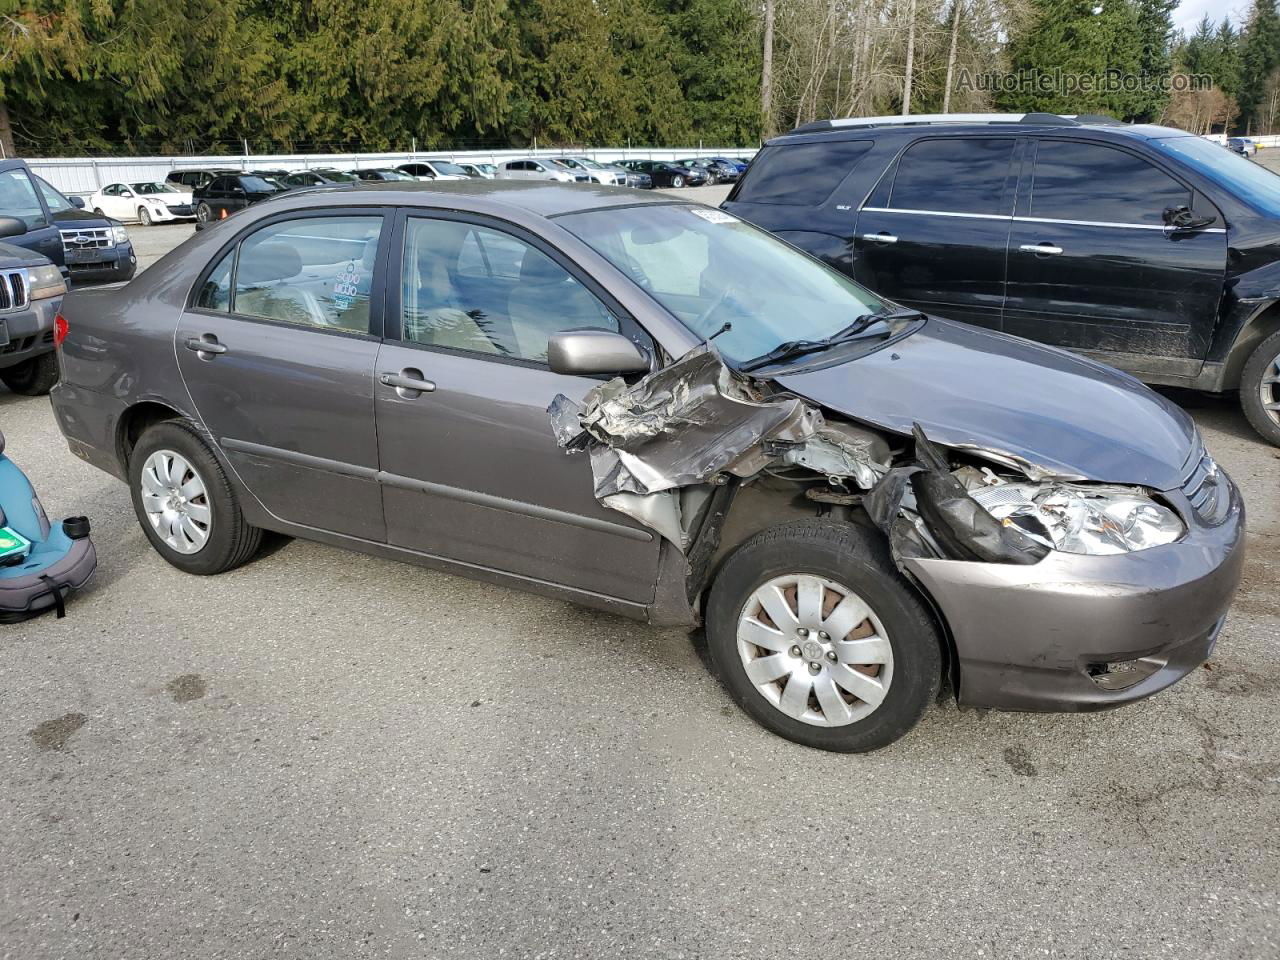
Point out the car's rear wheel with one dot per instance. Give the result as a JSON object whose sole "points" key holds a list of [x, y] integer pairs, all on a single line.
{"points": [[817, 637], [203, 213], [1260, 388], [32, 378], [185, 503], [677, 181], [144, 216]]}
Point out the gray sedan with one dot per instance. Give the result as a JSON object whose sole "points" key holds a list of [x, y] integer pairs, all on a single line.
{"points": [[653, 408]]}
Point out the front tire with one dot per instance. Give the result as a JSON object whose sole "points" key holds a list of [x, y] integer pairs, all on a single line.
{"points": [[144, 216], [1260, 388], [32, 378], [817, 636], [185, 503], [677, 182], [203, 213]]}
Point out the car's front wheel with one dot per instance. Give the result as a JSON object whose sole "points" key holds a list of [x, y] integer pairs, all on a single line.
{"points": [[677, 181], [818, 637], [1260, 388], [185, 503], [203, 213], [32, 378], [144, 216]]}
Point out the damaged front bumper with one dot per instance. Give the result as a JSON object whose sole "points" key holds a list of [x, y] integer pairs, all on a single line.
{"points": [[1074, 632]]}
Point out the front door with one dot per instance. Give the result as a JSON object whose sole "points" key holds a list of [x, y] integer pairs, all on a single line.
{"points": [[277, 351], [1093, 268], [470, 469], [19, 199], [932, 235]]}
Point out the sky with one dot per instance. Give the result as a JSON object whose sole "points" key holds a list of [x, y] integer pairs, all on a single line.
{"points": [[1189, 12]]}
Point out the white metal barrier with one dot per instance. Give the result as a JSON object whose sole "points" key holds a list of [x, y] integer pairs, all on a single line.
{"points": [[83, 175]]}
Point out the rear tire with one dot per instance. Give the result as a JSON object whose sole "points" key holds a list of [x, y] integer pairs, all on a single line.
{"points": [[1260, 388], [32, 378], [228, 540], [877, 622]]}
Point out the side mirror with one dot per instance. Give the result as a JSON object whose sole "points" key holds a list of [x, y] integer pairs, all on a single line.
{"points": [[591, 352], [1181, 218], [12, 227], [77, 202]]}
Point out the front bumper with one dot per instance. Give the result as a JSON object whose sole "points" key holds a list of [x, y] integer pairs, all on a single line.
{"points": [[113, 264], [28, 332], [1040, 637]]}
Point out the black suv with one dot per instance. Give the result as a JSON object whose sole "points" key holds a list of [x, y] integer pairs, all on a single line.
{"points": [[1145, 247], [226, 194], [85, 246]]}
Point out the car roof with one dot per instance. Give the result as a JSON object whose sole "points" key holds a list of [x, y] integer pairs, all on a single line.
{"points": [[933, 125], [541, 198]]}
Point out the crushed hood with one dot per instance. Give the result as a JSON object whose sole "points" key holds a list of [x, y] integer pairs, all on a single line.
{"points": [[969, 387]]}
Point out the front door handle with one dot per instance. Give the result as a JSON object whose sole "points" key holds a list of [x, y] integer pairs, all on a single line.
{"points": [[409, 383], [206, 346], [1043, 249], [880, 237]]}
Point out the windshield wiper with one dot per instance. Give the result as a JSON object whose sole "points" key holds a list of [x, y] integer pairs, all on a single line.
{"points": [[791, 349]]}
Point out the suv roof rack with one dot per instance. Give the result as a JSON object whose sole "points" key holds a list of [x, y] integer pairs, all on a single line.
{"points": [[917, 119]]}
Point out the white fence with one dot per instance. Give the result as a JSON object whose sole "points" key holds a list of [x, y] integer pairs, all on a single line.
{"points": [[84, 175]]}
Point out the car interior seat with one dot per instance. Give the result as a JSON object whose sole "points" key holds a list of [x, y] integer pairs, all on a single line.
{"points": [[263, 288], [548, 300], [436, 313]]}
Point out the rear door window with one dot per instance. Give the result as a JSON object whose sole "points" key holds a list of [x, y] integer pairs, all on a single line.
{"points": [[955, 176], [1088, 181], [805, 174]]}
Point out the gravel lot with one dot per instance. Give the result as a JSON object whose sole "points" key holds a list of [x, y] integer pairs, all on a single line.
{"points": [[327, 755]]}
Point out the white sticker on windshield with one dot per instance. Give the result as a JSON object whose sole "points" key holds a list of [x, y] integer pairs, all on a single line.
{"points": [[713, 216]]}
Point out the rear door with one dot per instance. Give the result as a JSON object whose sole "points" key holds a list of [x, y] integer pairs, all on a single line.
{"points": [[933, 233], [277, 351], [1092, 266], [470, 468]]}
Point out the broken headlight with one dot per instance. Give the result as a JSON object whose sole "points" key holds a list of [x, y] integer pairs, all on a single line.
{"points": [[1077, 518]]}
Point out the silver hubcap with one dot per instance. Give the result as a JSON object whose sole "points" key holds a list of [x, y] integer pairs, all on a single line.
{"points": [[1270, 390], [176, 502], [815, 650]]}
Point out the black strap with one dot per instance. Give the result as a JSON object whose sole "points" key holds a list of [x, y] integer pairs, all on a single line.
{"points": [[57, 594]]}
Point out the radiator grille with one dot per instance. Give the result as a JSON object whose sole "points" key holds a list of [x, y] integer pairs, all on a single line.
{"points": [[13, 289]]}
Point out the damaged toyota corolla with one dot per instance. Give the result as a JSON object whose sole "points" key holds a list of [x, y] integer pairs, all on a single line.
{"points": [[651, 407]]}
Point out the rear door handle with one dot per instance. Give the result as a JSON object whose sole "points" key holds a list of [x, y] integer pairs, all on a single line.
{"points": [[409, 383], [1047, 249], [880, 237], [206, 346]]}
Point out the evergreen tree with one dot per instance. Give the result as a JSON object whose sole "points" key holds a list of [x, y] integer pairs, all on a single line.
{"points": [[1259, 58], [1155, 62]]}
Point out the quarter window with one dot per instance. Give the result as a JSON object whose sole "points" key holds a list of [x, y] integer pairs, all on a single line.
{"points": [[479, 290], [803, 175], [1086, 181], [955, 176], [314, 272]]}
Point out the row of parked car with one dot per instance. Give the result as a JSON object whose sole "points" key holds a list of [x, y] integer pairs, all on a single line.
{"points": [[211, 193]]}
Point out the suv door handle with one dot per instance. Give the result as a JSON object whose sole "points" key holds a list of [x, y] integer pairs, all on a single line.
{"points": [[409, 383], [206, 346], [1046, 249], [881, 237]]}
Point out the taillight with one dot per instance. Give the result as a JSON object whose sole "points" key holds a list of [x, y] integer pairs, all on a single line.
{"points": [[60, 330]]}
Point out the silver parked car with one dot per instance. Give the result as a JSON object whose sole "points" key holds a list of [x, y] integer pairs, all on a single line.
{"points": [[598, 172], [861, 503], [529, 168]]}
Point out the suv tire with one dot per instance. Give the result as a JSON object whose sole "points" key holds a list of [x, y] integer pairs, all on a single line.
{"points": [[228, 541], [203, 213], [32, 378], [843, 563], [1260, 386]]}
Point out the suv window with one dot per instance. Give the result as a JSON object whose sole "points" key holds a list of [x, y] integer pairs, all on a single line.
{"points": [[18, 199], [1087, 181], [954, 176], [313, 271], [217, 184], [55, 201], [804, 175], [479, 290]]}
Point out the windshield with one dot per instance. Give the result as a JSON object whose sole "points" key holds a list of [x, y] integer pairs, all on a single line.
{"points": [[394, 175], [336, 176], [450, 169], [709, 268], [55, 201], [259, 185], [1250, 183], [152, 187], [589, 164]]}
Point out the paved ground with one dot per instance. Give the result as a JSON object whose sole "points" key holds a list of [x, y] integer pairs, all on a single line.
{"points": [[324, 755]]}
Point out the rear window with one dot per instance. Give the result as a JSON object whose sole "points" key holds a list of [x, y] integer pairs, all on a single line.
{"points": [[802, 175]]}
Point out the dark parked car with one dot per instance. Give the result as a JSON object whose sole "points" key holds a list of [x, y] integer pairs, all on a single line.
{"points": [[664, 174], [823, 485], [717, 171], [223, 196], [380, 175], [1145, 247], [188, 179], [31, 289], [317, 178], [86, 246]]}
